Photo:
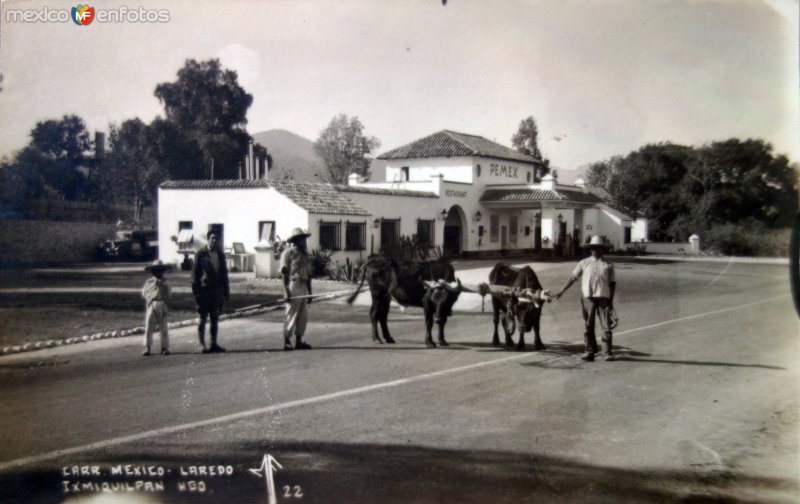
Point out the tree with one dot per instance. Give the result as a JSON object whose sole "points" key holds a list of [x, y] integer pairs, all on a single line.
{"points": [[209, 107], [526, 141], [683, 190], [743, 179], [344, 149], [130, 172], [58, 161]]}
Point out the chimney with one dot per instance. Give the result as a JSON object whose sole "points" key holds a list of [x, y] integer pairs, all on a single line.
{"points": [[548, 182], [251, 160]]}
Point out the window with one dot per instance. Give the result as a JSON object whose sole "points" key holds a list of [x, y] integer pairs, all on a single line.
{"points": [[477, 171], [513, 227], [529, 177], [494, 227], [185, 234], [266, 231], [404, 173], [627, 232], [390, 232], [425, 232], [355, 236], [330, 235]]}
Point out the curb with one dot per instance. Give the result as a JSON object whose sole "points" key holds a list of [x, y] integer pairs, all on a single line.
{"points": [[53, 343]]}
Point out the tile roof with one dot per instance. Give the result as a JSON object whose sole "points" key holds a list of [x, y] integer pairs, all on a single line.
{"points": [[613, 211], [386, 192], [317, 197], [447, 143], [528, 194]]}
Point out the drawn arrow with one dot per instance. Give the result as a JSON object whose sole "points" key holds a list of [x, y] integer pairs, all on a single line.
{"points": [[268, 467]]}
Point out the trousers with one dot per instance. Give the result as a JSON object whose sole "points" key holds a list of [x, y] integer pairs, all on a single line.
{"points": [[593, 308], [296, 311], [156, 316]]}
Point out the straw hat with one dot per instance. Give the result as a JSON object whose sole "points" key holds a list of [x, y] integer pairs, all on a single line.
{"points": [[596, 242], [158, 265], [297, 233]]}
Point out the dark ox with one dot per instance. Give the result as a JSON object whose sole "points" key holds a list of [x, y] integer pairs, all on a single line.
{"points": [[431, 285], [517, 299]]}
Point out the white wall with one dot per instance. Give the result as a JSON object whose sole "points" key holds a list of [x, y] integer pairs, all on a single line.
{"points": [[458, 169], [462, 169], [605, 224], [639, 230], [238, 210]]}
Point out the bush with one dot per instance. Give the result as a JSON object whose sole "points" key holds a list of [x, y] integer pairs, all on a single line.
{"points": [[347, 272], [748, 238], [406, 249], [320, 259], [637, 249]]}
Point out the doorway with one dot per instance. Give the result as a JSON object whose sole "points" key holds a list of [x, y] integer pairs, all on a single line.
{"points": [[451, 245]]}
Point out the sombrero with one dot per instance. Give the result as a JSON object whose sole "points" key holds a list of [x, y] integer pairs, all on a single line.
{"points": [[297, 233], [596, 242], [158, 265]]}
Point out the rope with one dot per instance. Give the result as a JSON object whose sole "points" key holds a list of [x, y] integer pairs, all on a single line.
{"points": [[327, 295]]}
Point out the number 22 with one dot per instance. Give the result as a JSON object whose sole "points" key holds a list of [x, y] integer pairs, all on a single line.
{"points": [[288, 492]]}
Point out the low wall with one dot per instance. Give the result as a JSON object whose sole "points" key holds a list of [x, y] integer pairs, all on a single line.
{"points": [[666, 247], [34, 241]]}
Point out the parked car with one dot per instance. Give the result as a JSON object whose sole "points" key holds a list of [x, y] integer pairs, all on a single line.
{"points": [[138, 243]]}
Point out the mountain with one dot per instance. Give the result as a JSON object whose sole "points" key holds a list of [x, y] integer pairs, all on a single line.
{"points": [[292, 156]]}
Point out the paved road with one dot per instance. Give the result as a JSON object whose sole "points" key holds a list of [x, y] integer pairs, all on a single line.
{"points": [[702, 406]]}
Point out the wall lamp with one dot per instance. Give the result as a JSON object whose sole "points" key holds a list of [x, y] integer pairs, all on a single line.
{"points": [[443, 214], [377, 223], [560, 219], [588, 227], [478, 216]]}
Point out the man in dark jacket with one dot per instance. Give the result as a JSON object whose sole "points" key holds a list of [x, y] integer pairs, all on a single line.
{"points": [[210, 288]]}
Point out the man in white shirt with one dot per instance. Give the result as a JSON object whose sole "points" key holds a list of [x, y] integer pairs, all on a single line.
{"points": [[296, 272], [597, 297]]}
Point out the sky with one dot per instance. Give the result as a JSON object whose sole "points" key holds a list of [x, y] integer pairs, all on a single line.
{"points": [[601, 78]]}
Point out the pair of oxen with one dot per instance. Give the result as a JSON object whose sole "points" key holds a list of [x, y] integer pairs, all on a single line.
{"points": [[517, 297]]}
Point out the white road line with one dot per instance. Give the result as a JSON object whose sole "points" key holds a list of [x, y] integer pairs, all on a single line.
{"points": [[721, 272], [699, 315], [313, 400], [246, 414]]}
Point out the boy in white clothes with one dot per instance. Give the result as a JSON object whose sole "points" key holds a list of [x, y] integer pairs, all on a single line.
{"points": [[156, 294]]}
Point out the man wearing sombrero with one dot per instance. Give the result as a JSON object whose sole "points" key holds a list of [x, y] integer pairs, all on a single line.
{"points": [[156, 294], [296, 272], [597, 297]]}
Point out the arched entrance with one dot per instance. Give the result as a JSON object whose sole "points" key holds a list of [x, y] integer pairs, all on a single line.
{"points": [[454, 232]]}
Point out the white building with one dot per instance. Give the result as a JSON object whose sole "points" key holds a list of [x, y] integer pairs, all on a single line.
{"points": [[462, 192]]}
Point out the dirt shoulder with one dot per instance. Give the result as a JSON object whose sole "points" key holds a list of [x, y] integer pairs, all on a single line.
{"points": [[44, 304]]}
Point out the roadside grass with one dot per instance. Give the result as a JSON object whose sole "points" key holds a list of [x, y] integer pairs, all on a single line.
{"points": [[36, 316]]}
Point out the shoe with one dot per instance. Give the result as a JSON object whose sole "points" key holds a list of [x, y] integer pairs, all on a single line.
{"points": [[203, 348], [302, 345], [588, 357], [287, 345], [164, 351], [609, 357], [215, 348], [146, 352]]}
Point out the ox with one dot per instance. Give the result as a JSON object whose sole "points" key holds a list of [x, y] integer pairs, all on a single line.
{"points": [[518, 295], [431, 285]]}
